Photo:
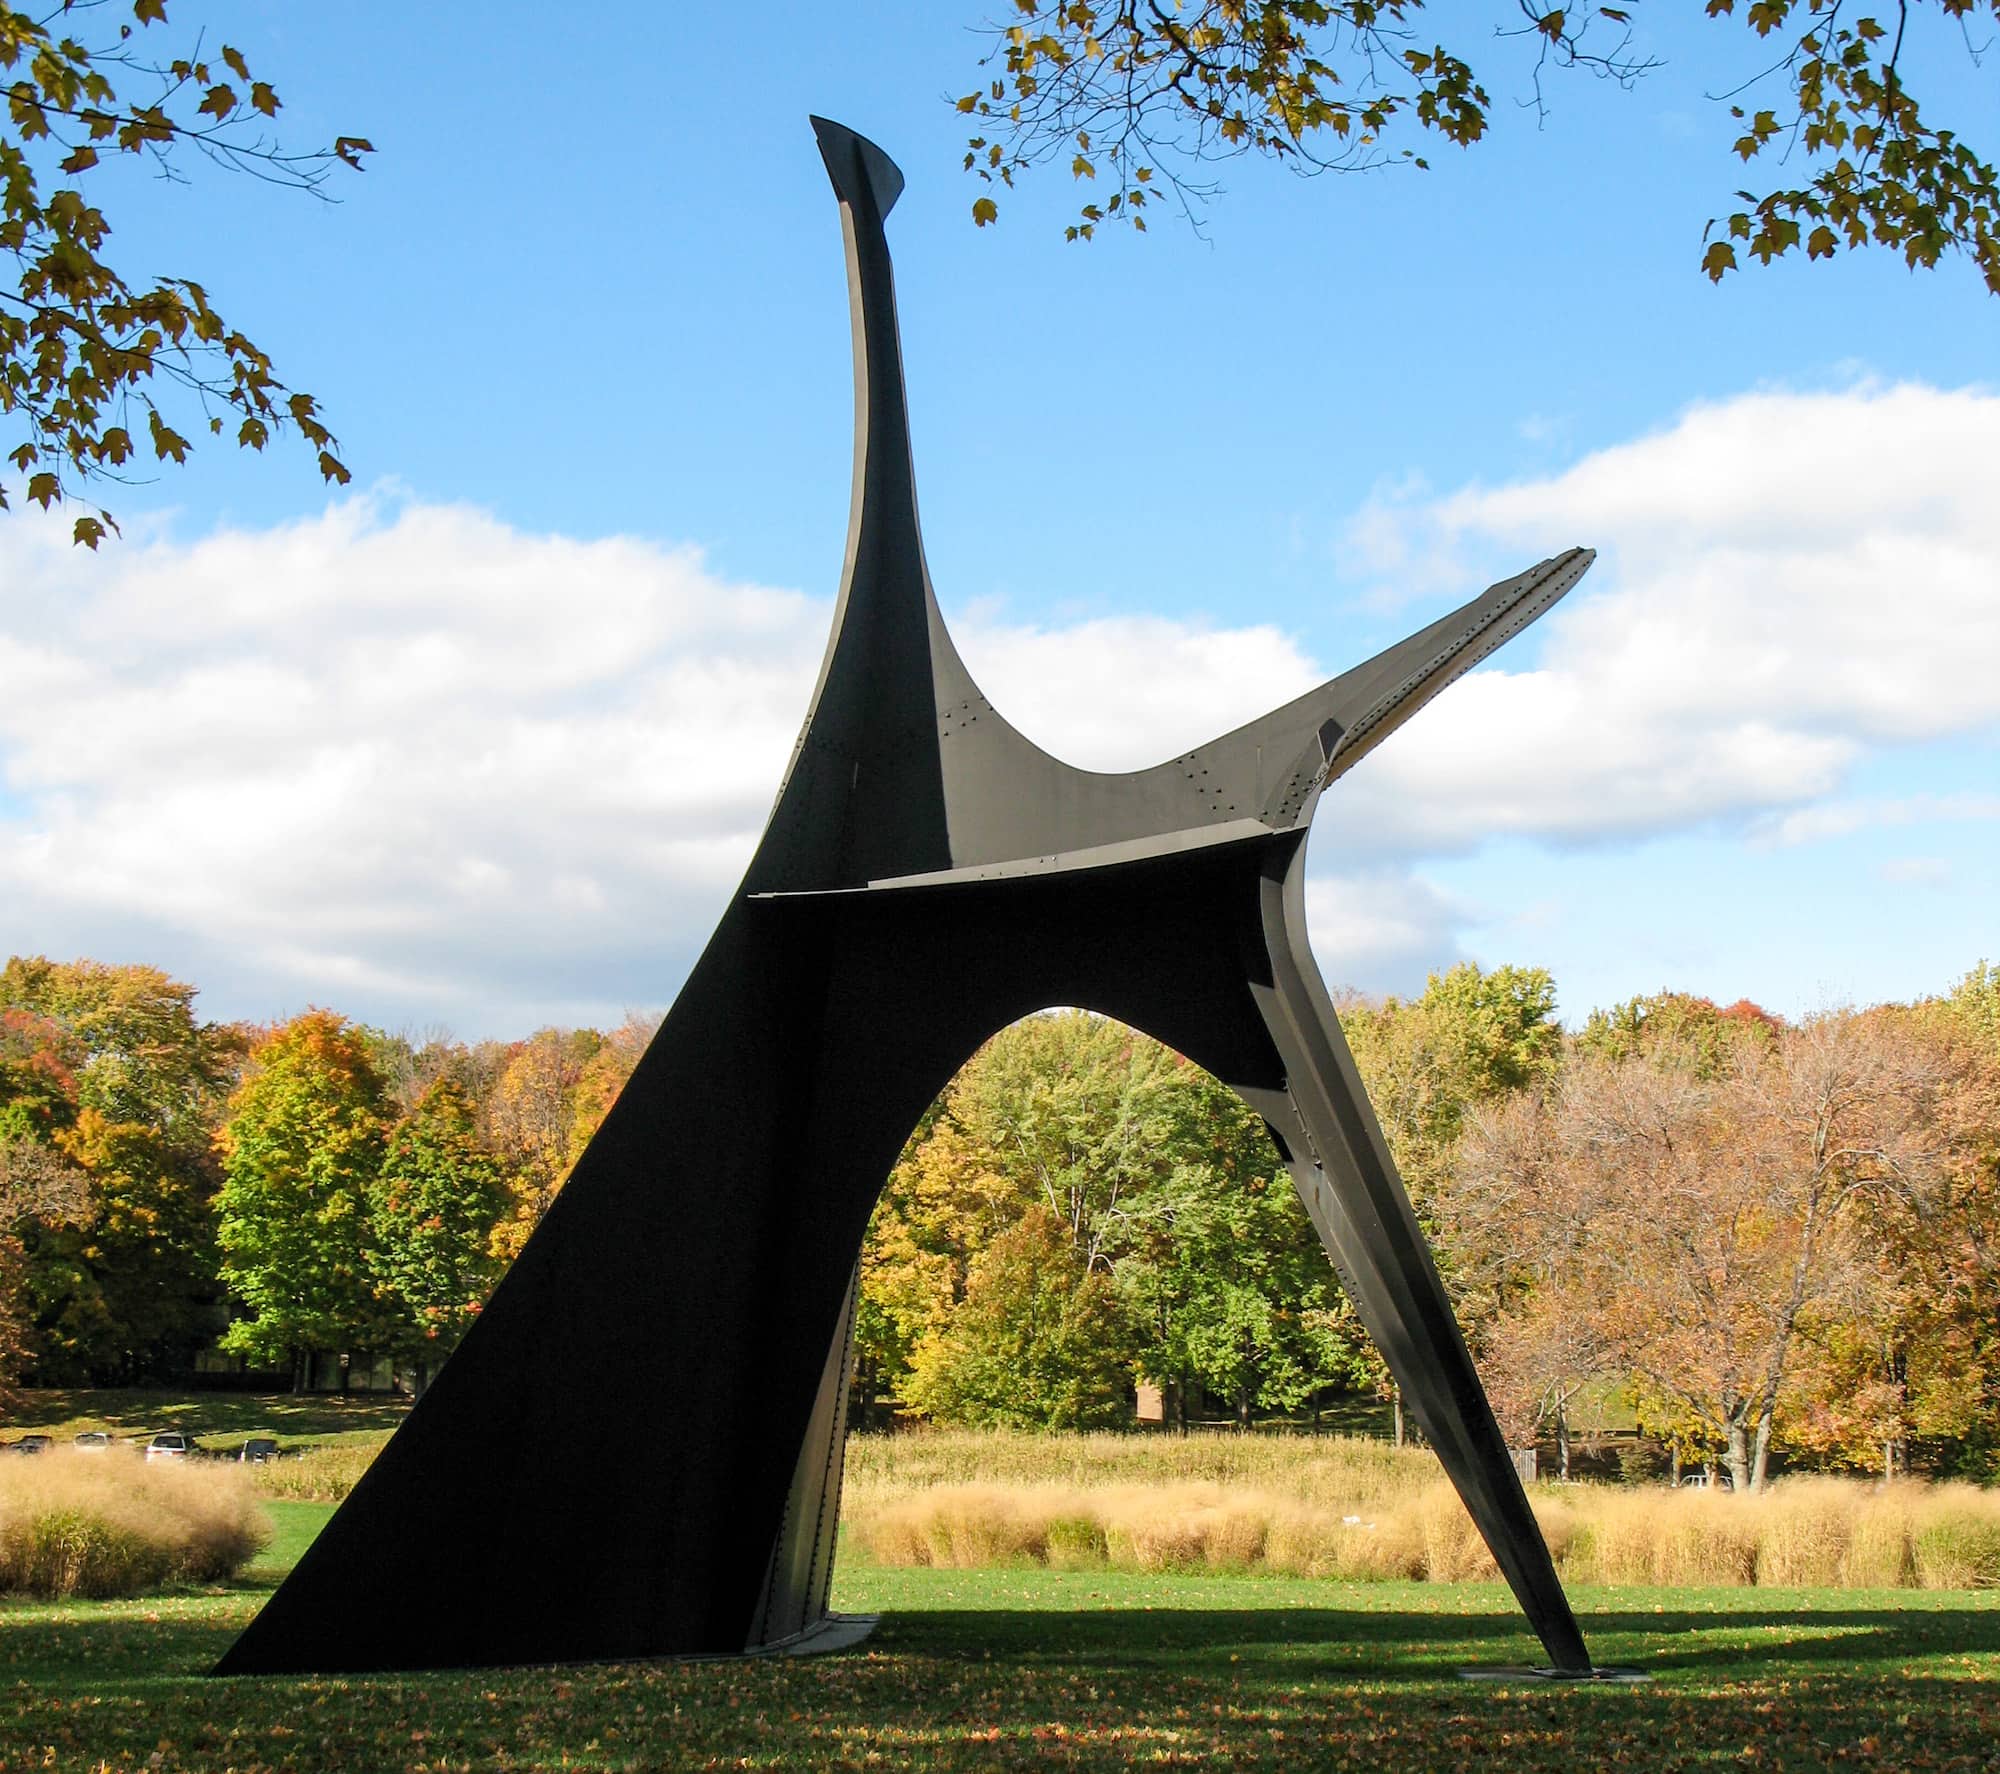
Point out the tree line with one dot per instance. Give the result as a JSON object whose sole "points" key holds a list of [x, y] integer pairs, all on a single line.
{"points": [[1752, 1234], [170, 1186], [1759, 1235]]}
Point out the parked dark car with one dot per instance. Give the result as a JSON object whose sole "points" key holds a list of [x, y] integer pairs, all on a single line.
{"points": [[172, 1444], [34, 1444], [258, 1448]]}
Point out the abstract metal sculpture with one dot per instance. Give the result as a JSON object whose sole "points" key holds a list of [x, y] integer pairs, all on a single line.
{"points": [[927, 876]]}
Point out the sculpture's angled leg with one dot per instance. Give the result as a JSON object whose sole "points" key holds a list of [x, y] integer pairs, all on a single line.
{"points": [[1348, 1181]]}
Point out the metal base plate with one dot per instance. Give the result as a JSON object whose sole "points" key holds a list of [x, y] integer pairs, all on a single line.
{"points": [[833, 1632], [1524, 1672]]}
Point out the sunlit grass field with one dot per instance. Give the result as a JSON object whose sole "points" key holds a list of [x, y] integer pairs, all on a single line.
{"points": [[223, 1419], [1031, 1667], [975, 1670]]}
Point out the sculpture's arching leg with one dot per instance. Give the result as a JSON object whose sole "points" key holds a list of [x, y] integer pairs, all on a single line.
{"points": [[797, 1586], [1348, 1181]]}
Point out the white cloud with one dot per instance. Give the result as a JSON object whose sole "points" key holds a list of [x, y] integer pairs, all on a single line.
{"points": [[428, 766], [1786, 582], [416, 756], [1381, 930], [1838, 819], [1916, 871], [1123, 692]]}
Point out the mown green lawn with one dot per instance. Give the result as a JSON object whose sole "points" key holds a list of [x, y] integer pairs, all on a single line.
{"points": [[1040, 1669], [221, 1418]]}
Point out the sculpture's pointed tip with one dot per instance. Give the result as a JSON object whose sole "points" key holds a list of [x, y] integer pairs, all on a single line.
{"points": [[856, 165]]}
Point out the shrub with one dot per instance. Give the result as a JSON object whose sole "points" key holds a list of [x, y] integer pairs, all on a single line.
{"points": [[88, 1525], [1075, 1542], [1955, 1543]]}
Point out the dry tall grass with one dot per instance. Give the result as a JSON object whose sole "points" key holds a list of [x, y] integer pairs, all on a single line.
{"points": [[106, 1524], [320, 1475], [1324, 1508], [1328, 1470]]}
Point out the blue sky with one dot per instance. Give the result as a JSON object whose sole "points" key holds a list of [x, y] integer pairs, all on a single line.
{"points": [[436, 752]]}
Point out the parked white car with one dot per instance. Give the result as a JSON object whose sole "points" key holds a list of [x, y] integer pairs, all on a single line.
{"points": [[171, 1444]]}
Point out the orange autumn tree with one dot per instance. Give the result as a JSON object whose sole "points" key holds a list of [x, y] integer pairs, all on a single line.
{"points": [[553, 1092], [1713, 1222], [1913, 1358]]}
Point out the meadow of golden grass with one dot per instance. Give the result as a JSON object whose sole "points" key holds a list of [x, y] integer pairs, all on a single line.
{"points": [[1321, 1469], [1322, 1507], [74, 1524]]}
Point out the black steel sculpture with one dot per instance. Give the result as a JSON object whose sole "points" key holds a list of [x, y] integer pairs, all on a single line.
{"points": [[636, 1450]]}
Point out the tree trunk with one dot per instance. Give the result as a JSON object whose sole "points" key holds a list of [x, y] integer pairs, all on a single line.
{"points": [[1762, 1463], [1243, 1407], [300, 1358], [1674, 1464], [1562, 1443], [1738, 1456], [1397, 1397]]}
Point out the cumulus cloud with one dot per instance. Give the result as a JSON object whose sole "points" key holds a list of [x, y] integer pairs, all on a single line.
{"points": [[1786, 581], [428, 767], [1382, 930], [1837, 819], [1120, 693], [434, 768]]}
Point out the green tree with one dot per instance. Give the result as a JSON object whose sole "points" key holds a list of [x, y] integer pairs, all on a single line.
{"points": [[1040, 1340], [1056, 1113], [301, 1150], [941, 1205], [1224, 1270], [1680, 1030], [433, 1207], [1157, 1177], [1066, 1110], [1148, 96], [90, 360], [1470, 1037], [1974, 1004]]}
